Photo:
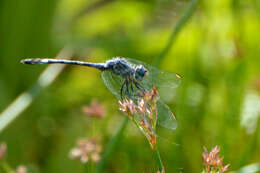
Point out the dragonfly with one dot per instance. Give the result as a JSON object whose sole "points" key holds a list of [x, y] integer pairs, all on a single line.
{"points": [[126, 77]]}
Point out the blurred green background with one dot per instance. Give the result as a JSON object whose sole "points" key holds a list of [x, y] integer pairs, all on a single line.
{"points": [[218, 102]]}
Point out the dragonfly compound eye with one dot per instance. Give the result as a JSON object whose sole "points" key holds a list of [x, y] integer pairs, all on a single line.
{"points": [[140, 72]]}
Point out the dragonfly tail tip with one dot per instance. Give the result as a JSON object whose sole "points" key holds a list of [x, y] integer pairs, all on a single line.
{"points": [[24, 61], [27, 61]]}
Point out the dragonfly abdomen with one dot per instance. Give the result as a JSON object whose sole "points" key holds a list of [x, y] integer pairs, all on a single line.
{"points": [[100, 66]]}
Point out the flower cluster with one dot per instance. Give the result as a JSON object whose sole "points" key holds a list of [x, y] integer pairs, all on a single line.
{"points": [[20, 169], [144, 113], [95, 110], [86, 150], [212, 162]]}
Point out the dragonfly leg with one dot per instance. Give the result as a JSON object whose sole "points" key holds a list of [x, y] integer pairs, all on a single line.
{"points": [[138, 86], [121, 90], [131, 85], [127, 89]]}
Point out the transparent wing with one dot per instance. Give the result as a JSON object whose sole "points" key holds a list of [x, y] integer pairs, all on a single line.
{"points": [[157, 78], [166, 118], [165, 82], [112, 82]]}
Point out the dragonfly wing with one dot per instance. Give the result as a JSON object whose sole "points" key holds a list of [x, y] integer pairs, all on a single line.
{"points": [[166, 118], [113, 82], [158, 78], [163, 81]]}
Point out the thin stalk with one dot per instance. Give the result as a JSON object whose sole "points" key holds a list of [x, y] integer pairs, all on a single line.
{"points": [[158, 159], [111, 147], [186, 16]]}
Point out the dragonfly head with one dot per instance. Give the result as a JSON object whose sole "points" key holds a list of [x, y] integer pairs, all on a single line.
{"points": [[140, 72]]}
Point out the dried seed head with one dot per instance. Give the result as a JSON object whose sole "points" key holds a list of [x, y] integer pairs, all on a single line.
{"points": [[144, 112], [127, 106], [95, 110], [86, 150], [212, 161], [155, 94], [141, 106], [20, 169], [151, 96], [153, 141]]}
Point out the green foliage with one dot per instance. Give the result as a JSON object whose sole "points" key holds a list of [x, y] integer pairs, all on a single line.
{"points": [[216, 53]]}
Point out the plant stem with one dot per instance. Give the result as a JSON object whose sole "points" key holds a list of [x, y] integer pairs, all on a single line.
{"points": [[111, 147], [158, 159], [186, 16]]}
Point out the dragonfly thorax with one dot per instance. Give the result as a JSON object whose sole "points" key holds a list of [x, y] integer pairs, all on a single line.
{"points": [[120, 66]]}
